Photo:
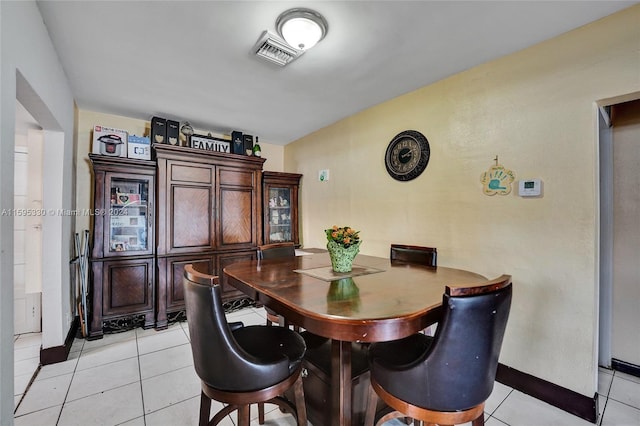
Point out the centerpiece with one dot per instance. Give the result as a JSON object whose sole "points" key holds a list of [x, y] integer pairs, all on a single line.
{"points": [[343, 246]]}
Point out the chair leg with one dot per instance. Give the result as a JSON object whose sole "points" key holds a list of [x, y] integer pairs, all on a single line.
{"points": [[301, 408], [261, 413], [372, 402], [243, 415], [479, 421], [205, 409]]}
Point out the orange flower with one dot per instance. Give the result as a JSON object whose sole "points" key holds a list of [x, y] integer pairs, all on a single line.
{"points": [[344, 236]]}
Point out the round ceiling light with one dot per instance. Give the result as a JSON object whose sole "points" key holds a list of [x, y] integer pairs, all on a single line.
{"points": [[301, 28]]}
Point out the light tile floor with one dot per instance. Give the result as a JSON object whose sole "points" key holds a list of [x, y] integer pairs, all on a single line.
{"points": [[146, 378]]}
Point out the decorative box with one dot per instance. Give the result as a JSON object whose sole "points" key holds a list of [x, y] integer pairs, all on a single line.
{"points": [[158, 130], [109, 141], [139, 147], [248, 144], [237, 142], [173, 132]]}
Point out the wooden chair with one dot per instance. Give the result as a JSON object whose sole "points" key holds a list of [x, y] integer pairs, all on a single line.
{"points": [[239, 365], [414, 254], [444, 379], [274, 251]]}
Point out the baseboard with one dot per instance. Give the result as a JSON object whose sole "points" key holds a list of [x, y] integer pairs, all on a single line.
{"points": [[625, 367], [60, 353], [562, 398]]}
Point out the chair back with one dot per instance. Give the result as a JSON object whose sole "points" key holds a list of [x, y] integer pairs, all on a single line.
{"points": [[414, 254], [218, 359], [461, 365], [458, 369], [276, 250]]}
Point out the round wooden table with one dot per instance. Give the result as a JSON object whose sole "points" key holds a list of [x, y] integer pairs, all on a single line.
{"points": [[378, 301]]}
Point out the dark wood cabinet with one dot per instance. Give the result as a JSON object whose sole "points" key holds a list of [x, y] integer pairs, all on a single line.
{"points": [[280, 207], [154, 217], [209, 211], [123, 248]]}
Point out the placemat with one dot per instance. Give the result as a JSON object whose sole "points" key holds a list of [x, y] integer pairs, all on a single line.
{"points": [[326, 273]]}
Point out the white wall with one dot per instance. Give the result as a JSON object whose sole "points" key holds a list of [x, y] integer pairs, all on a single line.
{"points": [[30, 70]]}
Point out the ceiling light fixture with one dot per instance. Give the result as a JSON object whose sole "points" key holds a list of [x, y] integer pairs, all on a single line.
{"points": [[302, 28]]}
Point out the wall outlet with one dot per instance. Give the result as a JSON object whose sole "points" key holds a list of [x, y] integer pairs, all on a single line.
{"points": [[323, 175]]}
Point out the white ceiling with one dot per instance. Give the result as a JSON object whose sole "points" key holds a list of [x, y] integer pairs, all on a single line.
{"points": [[192, 60]]}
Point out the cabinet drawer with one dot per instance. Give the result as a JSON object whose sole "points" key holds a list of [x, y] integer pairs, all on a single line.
{"points": [[236, 177], [180, 172]]}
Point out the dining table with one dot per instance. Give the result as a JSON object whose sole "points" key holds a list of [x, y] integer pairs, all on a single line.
{"points": [[379, 300]]}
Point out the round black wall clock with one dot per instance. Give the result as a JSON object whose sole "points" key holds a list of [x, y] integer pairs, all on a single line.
{"points": [[407, 155]]}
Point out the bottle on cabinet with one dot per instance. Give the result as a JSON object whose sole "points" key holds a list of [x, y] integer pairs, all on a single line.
{"points": [[257, 151]]}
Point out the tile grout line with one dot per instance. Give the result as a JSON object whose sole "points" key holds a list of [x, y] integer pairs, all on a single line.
{"points": [[73, 374], [144, 415], [26, 389], [606, 402]]}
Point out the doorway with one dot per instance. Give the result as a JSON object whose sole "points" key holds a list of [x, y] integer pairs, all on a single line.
{"points": [[619, 346], [28, 215]]}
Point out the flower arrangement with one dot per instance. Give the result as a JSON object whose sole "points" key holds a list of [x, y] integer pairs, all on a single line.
{"points": [[345, 236]]}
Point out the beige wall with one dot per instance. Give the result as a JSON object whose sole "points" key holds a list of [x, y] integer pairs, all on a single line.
{"points": [[88, 119], [536, 110]]}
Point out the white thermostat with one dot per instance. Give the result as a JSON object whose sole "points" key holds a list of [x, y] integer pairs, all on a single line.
{"points": [[530, 188]]}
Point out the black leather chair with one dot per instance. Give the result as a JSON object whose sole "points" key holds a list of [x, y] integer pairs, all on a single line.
{"points": [[240, 365], [444, 379], [274, 251], [414, 254]]}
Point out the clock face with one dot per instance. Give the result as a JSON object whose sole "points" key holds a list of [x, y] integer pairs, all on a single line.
{"points": [[407, 155]]}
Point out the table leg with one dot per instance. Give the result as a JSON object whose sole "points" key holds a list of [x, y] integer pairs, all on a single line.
{"points": [[341, 383]]}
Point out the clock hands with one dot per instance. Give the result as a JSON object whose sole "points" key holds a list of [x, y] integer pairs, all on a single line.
{"points": [[407, 154]]}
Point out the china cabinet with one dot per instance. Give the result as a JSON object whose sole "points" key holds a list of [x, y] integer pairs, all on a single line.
{"points": [[122, 258], [280, 207]]}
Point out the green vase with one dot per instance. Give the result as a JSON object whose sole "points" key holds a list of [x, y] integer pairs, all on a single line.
{"points": [[342, 258]]}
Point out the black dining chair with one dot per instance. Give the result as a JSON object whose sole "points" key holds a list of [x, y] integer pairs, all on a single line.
{"points": [[418, 255], [274, 251], [444, 379], [415, 255], [239, 365]]}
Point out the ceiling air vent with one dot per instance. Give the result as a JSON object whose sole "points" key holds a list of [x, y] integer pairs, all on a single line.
{"points": [[273, 49]]}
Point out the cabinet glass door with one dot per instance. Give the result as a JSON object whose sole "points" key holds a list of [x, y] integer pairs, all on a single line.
{"points": [[128, 213], [280, 214]]}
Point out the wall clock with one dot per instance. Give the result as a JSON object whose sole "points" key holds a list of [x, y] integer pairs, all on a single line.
{"points": [[407, 155]]}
